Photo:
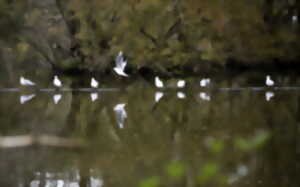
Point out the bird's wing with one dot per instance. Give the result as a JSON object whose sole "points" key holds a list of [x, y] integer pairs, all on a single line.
{"points": [[119, 59], [123, 65]]}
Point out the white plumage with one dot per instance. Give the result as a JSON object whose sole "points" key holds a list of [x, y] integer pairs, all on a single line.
{"points": [[94, 96], [204, 96], [56, 81], [158, 83], [25, 98], [269, 81], [181, 84], [180, 95], [269, 95], [57, 98], [94, 83], [204, 82], [26, 82], [120, 65], [158, 96], [120, 114]]}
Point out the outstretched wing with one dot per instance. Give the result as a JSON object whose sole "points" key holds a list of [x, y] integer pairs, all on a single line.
{"points": [[119, 59]]}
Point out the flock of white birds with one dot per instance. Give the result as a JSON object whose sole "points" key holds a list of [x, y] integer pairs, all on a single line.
{"points": [[119, 69]]}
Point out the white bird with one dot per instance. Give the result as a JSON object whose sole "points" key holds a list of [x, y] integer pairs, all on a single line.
{"points": [[94, 83], [57, 82], [181, 84], [180, 95], [57, 98], [204, 96], [26, 82], [158, 83], [120, 65], [204, 82], [94, 96], [120, 114], [25, 98], [269, 81], [158, 96], [269, 95]]}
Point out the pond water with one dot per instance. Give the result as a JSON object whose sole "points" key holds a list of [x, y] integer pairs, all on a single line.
{"points": [[235, 132]]}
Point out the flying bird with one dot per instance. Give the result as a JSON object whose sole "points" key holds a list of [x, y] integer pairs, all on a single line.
{"points": [[120, 65], [94, 83], [269, 81], [26, 82], [56, 81], [120, 114], [158, 83]]}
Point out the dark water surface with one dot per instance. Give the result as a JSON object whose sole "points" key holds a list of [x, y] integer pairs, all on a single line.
{"points": [[236, 132]]}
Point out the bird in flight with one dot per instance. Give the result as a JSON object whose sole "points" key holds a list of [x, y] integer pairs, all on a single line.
{"points": [[120, 65]]}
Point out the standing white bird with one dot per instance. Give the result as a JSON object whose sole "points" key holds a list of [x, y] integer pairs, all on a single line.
{"points": [[158, 83], [180, 95], [25, 98], [269, 81], [56, 81], [120, 114], [94, 96], [120, 65], [181, 84], [57, 98], [94, 83], [269, 95], [158, 96], [26, 82], [204, 82]]}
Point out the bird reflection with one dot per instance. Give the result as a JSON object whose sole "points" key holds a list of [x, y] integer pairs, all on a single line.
{"points": [[180, 95], [25, 98], [158, 96], [269, 95], [96, 182], [120, 114], [94, 96], [35, 183], [204, 96], [57, 98]]}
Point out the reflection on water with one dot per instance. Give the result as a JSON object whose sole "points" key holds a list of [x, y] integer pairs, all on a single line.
{"points": [[139, 135]]}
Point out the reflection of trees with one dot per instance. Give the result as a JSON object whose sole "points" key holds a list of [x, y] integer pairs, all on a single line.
{"points": [[189, 131]]}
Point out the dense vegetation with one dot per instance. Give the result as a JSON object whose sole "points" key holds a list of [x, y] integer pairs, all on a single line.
{"points": [[165, 35]]}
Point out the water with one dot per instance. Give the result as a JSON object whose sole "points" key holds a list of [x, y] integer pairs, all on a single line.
{"points": [[237, 132]]}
